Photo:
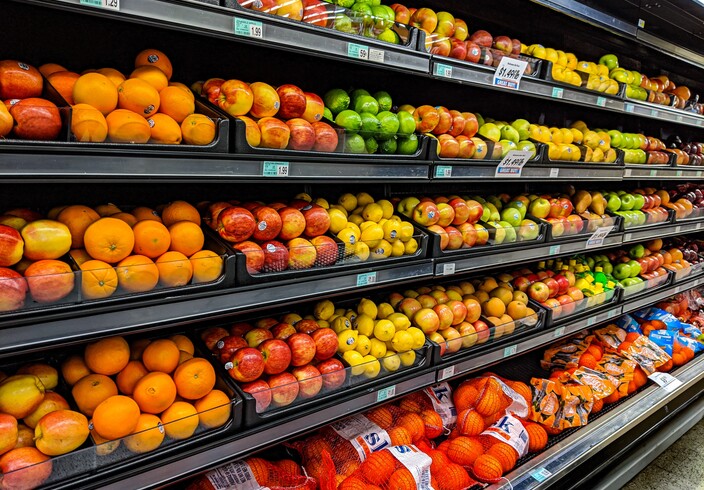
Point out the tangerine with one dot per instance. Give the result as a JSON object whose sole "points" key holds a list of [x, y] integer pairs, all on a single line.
{"points": [[77, 218], [98, 279], [109, 240], [414, 424], [147, 434], [399, 436], [151, 238], [487, 468], [176, 103], [214, 409], [116, 417], [90, 391], [129, 376], [198, 129], [506, 455], [125, 126], [378, 467], [465, 396], [464, 450], [138, 96], [137, 273], [382, 417], [194, 378], [161, 355], [537, 437], [470, 423], [453, 477], [180, 420], [164, 130], [174, 269], [154, 392], [107, 356], [433, 423], [95, 90], [186, 237], [402, 479]]}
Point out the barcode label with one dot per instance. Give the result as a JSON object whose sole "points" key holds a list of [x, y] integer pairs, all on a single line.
{"points": [[510, 350], [557, 92], [376, 55], [446, 373], [358, 51], [365, 279], [541, 474], [385, 393], [106, 4], [601, 101], [248, 28], [448, 269], [443, 70], [275, 169], [443, 171]]}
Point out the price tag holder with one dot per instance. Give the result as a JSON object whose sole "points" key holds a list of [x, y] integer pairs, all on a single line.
{"points": [[641, 23], [385, 393], [679, 173], [699, 173], [653, 173], [591, 321], [275, 169], [627, 237], [248, 28], [448, 269], [509, 73], [611, 313], [512, 164], [510, 350], [597, 238], [629, 107], [446, 373], [358, 51], [557, 92], [105, 4], [366, 278], [540, 474], [443, 171], [442, 70], [679, 118], [678, 229], [554, 172], [668, 382], [601, 101], [559, 332]]}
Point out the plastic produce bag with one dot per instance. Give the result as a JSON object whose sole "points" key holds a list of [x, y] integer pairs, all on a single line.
{"points": [[560, 406], [601, 383], [566, 354], [646, 353]]}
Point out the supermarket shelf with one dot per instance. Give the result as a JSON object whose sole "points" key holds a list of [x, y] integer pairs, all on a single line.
{"points": [[590, 15], [275, 31], [662, 231], [671, 49], [663, 113], [636, 172], [547, 468], [537, 172]]}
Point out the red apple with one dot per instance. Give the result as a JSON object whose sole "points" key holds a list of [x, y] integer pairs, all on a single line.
{"points": [[467, 147], [210, 336], [516, 49], [554, 305], [307, 326], [276, 354], [403, 15], [227, 346], [266, 100], [503, 43], [539, 292], [562, 283], [235, 224], [301, 254], [333, 372], [521, 283], [475, 211], [254, 255], [455, 239], [240, 328], [325, 343], [275, 256], [483, 332], [36, 119], [461, 210], [11, 245], [426, 213], [310, 381], [461, 31], [293, 223], [445, 121], [302, 134], [457, 126], [302, 349], [441, 46], [482, 38], [275, 133], [449, 147], [247, 364], [19, 80], [13, 290], [424, 18], [552, 285], [261, 392], [473, 52], [283, 331], [235, 97], [284, 389], [314, 107], [458, 49], [269, 223], [211, 89], [314, 12], [326, 138], [293, 101], [426, 117], [469, 234], [327, 250], [317, 220], [256, 336]]}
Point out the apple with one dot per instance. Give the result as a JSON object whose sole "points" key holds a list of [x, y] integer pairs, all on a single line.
{"points": [[307, 326], [455, 239], [314, 107], [301, 254], [302, 349], [426, 117], [469, 234], [314, 12], [293, 101], [211, 89], [246, 365], [268, 223], [482, 38], [424, 18], [325, 343], [36, 119], [210, 336], [275, 256], [441, 46], [11, 245], [539, 292], [466, 147], [504, 44], [252, 133], [274, 133], [327, 250], [235, 224], [473, 52], [457, 125], [516, 49], [326, 138], [317, 220], [446, 213], [309, 379], [266, 100], [449, 146], [235, 97], [562, 283], [13, 290], [459, 311], [276, 354], [19, 80], [409, 306], [283, 331], [254, 255], [227, 346], [284, 389], [540, 208], [461, 209], [302, 135], [333, 373], [403, 14], [445, 121], [555, 306], [553, 286], [483, 331], [426, 213], [458, 49], [293, 223], [261, 392], [256, 336]]}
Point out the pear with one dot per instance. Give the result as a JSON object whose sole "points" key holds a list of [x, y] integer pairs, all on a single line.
{"points": [[581, 200]]}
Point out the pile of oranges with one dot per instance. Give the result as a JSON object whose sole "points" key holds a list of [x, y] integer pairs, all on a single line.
{"points": [[144, 107], [145, 390]]}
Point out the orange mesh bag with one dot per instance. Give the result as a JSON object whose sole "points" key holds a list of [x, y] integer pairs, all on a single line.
{"points": [[621, 369], [566, 354], [441, 399], [253, 474]]}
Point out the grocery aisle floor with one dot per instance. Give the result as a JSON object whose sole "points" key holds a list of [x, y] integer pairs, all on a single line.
{"points": [[678, 468]]}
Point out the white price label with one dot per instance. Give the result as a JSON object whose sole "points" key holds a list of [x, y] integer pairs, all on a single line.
{"points": [[678, 229], [627, 237], [627, 172], [653, 173], [597, 238], [358, 51], [510, 350], [668, 382], [679, 173], [385, 393], [509, 73], [366, 278], [611, 313], [559, 332], [629, 107], [554, 172], [446, 373], [541, 474], [699, 173], [679, 118], [275, 169], [641, 23], [512, 164], [557, 92], [376, 55], [448, 269], [443, 171], [601, 101], [443, 70], [106, 4], [248, 28]]}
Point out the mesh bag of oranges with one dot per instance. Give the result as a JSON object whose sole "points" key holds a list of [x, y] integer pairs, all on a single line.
{"points": [[253, 474], [557, 405]]}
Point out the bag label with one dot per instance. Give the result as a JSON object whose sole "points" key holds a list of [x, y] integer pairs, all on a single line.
{"points": [[233, 475], [510, 431], [417, 462], [441, 397], [364, 435]]}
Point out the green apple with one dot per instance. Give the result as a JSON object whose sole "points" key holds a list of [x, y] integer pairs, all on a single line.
{"points": [[523, 128], [494, 214], [616, 138], [510, 133], [496, 201], [636, 251], [627, 202], [510, 232], [529, 230], [527, 146], [507, 145], [407, 145], [634, 267], [480, 119], [490, 131], [512, 216], [520, 206], [610, 60], [622, 271], [639, 201], [613, 202], [499, 233]]}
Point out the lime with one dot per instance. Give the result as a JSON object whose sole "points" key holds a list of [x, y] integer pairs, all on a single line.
{"points": [[345, 3], [366, 103], [407, 145], [389, 36], [480, 119], [384, 100], [406, 123], [343, 24], [388, 147], [357, 93], [337, 100], [382, 20], [327, 114], [389, 125], [370, 125], [375, 2], [371, 145], [362, 11], [354, 143], [349, 120]]}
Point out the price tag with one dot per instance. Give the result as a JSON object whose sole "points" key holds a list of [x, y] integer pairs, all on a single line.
{"points": [[678, 229], [443, 70], [385, 393], [510, 350], [554, 172], [366, 278], [512, 164], [627, 172], [653, 173], [559, 332], [443, 171], [509, 73], [446, 373], [557, 92], [654, 112], [627, 237], [699, 225], [641, 23], [106, 4], [275, 169], [448, 269], [611, 314], [541, 474], [597, 238], [679, 173], [601, 101], [668, 382], [629, 107], [248, 28], [358, 51], [376, 55], [591, 321], [699, 173], [554, 249], [679, 118]]}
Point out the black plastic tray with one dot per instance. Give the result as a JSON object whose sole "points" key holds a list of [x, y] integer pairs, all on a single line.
{"points": [[616, 163], [580, 310], [536, 64], [546, 75], [434, 156], [585, 228], [622, 223], [649, 286]]}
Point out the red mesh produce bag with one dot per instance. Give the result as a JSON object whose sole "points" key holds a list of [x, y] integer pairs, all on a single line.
{"points": [[253, 474]]}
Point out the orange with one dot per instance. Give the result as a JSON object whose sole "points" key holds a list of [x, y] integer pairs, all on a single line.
{"points": [[137, 273], [144, 213], [453, 477], [613, 397], [523, 390], [98, 279], [186, 237], [90, 391], [138, 96], [399, 436], [174, 269], [6, 121], [494, 307], [152, 75], [107, 356], [49, 68], [516, 309], [113, 75], [88, 124], [116, 417], [198, 129], [183, 343], [155, 392], [194, 378], [402, 479], [154, 57], [352, 483], [587, 360], [378, 467], [63, 82], [177, 103], [78, 218], [137, 348], [164, 130], [465, 396], [464, 450], [103, 446], [184, 88], [109, 240], [129, 376], [506, 455], [414, 424], [349, 467], [598, 405], [433, 423], [126, 217], [207, 266], [382, 417], [161, 355], [489, 402], [180, 211], [180, 420], [151, 238], [503, 293], [73, 369], [487, 468], [96, 90], [415, 402], [470, 423], [125, 126], [184, 356], [107, 209], [537, 437], [214, 409], [147, 435]]}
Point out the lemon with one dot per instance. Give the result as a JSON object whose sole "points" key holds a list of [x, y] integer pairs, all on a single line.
{"points": [[381, 251], [358, 210], [366, 224], [347, 340], [418, 337], [398, 249], [364, 345], [363, 199], [367, 307], [303, 196], [402, 341], [372, 366], [391, 361], [384, 330], [410, 247], [351, 314], [355, 226], [361, 251], [565, 152], [407, 358], [339, 207], [340, 324], [384, 310], [350, 238], [554, 151], [373, 212], [378, 348], [340, 311], [338, 220], [392, 230], [400, 321], [364, 324], [373, 235], [405, 231], [323, 310], [291, 318], [323, 324], [356, 360], [355, 219], [322, 202], [386, 207], [348, 201]]}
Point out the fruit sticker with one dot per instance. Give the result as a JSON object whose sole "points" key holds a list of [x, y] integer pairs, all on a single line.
{"points": [[510, 431], [417, 462], [364, 435], [441, 397]]}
